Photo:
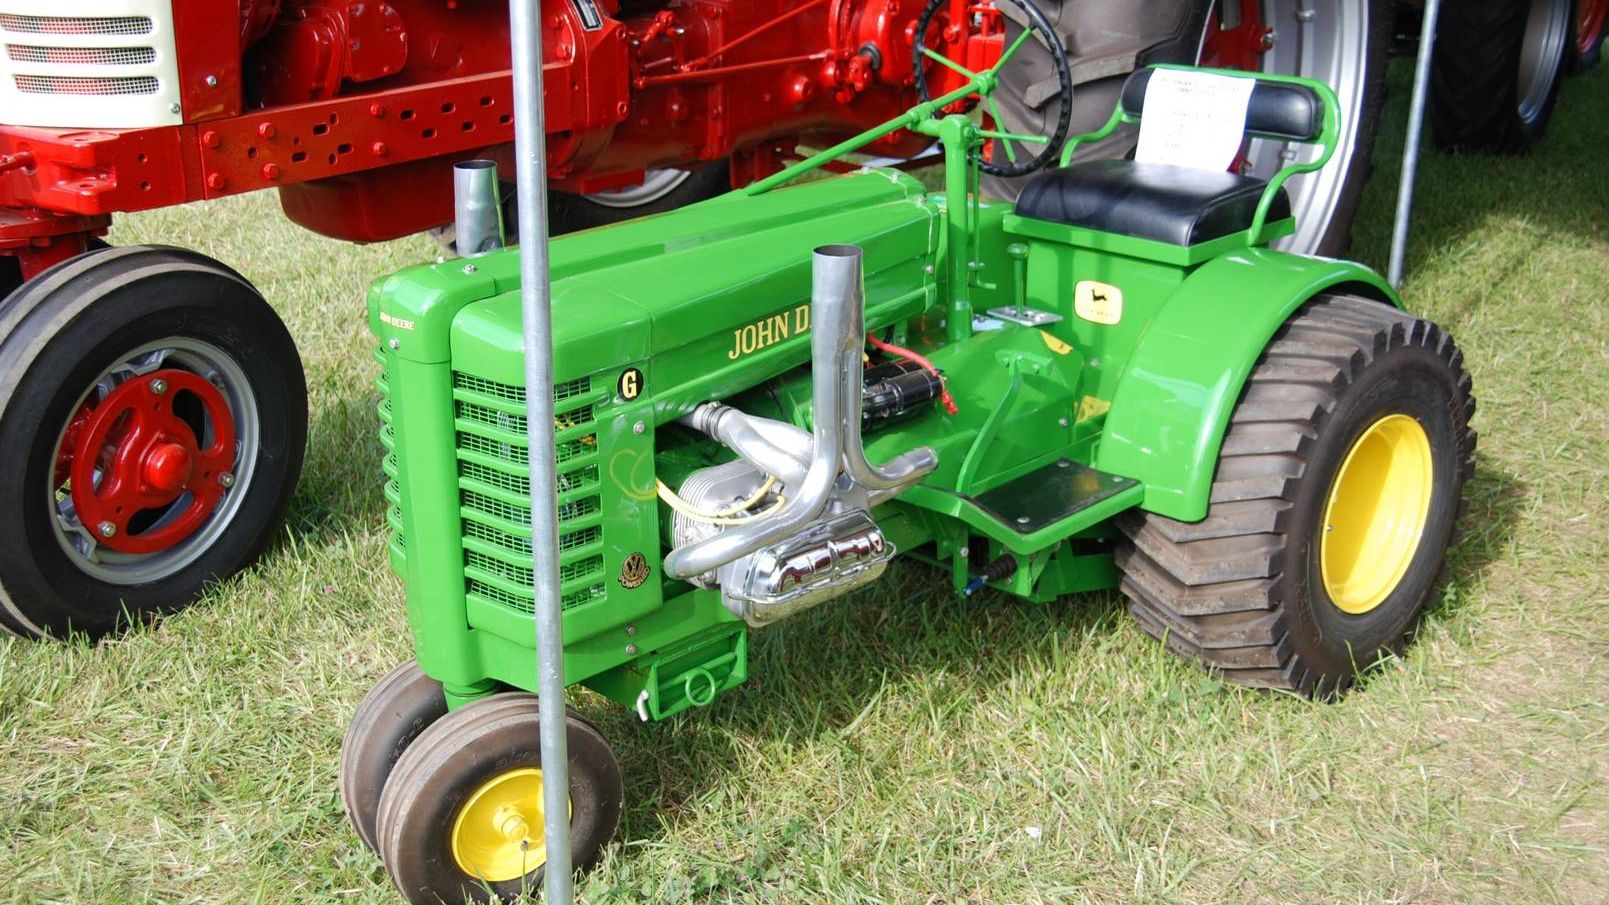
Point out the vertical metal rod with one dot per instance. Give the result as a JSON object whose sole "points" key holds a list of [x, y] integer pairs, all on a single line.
{"points": [[530, 150], [1410, 150]]}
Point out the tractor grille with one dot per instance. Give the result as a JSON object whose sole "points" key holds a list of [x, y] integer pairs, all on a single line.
{"points": [[388, 439], [88, 71], [494, 483]]}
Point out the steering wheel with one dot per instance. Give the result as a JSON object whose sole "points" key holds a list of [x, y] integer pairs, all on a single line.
{"points": [[1064, 76]]}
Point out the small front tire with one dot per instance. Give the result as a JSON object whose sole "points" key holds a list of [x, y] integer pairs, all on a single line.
{"points": [[461, 818], [391, 716]]}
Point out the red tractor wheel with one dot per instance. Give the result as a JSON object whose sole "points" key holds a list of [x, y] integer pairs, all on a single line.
{"points": [[1592, 17], [154, 410]]}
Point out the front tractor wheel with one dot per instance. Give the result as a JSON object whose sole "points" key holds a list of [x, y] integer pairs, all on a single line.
{"points": [[461, 817], [153, 408], [1333, 505], [391, 716]]}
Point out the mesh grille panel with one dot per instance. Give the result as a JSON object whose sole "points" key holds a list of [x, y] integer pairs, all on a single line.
{"points": [[83, 56], [78, 84], [76, 25], [502, 464]]}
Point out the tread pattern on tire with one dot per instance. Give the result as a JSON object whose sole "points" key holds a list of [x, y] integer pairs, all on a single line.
{"points": [[1212, 590]]}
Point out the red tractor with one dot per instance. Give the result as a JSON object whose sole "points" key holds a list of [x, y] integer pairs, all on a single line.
{"points": [[152, 403]]}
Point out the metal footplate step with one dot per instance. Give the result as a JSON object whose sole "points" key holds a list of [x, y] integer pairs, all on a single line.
{"points": [[1052, 494]]}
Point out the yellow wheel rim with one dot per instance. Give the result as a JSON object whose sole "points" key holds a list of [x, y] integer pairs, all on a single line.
{"points": [[498, 833], [1376, 513]]}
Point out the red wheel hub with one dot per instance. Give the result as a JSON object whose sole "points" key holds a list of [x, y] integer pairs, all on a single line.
{"points": [[1238, 40], [149, 459]]}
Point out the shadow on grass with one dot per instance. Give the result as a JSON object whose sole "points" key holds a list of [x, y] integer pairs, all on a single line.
{"points": [[342, 483], [817, 674], [1557, 185], [1495, 500]]}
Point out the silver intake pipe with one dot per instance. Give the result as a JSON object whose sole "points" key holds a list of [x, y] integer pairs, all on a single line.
{"points": [[835, 286], [774, 447], [477, 208]]}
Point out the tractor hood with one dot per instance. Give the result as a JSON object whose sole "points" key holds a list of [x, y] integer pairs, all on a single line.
{"points": [[697, 298]]}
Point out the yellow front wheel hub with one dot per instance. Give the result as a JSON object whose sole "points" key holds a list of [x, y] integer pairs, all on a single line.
{"points": [[1376, 513], [498, 833]]}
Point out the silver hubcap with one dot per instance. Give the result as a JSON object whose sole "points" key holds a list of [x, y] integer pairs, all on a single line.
{"points": [[1547, 29], [1329, 42], [81, 542], [656, 184]]}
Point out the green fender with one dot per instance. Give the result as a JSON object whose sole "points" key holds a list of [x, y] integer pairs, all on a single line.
{"points": [[1172, 406]]}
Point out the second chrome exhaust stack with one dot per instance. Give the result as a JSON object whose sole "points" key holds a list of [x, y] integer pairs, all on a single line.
{"points": [[477, 208]]}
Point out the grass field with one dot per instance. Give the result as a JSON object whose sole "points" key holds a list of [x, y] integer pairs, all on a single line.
{"points": [[901, 745]]}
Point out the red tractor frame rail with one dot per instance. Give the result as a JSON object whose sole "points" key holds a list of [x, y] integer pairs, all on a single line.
{"points": [[355, 109]]}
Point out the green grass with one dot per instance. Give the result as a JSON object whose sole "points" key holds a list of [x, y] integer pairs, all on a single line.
{"points": [[901, 745]]}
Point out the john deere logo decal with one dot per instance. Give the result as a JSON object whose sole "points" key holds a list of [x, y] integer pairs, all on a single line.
{"points": [[634, 571], [768, 331]]}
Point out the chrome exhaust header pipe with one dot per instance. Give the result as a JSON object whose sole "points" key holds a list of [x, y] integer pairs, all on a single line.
{"points": [[772, 447], [835, 289], [477, 208]]}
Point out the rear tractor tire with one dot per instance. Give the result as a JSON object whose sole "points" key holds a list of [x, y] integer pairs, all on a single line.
{"points": [[461, 818], [153, 414], [1497, 72], [1335, 499]]}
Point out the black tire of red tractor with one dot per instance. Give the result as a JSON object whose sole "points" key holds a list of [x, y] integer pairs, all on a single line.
{"points": [[10, 277], [1475, 78], [569, 213], [1241, 591], [391, 716], [56, 333], [438, 772]]}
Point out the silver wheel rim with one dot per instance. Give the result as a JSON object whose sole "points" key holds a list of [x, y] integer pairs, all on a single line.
{"points": [[656, 184], [1329, 42], [222, 371], [1547, 31]]}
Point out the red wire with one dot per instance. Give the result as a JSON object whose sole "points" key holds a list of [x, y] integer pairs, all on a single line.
{"points": [[908, 355]]}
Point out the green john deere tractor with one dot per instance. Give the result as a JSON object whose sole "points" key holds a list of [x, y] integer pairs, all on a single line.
{"points": [[763, 398]]}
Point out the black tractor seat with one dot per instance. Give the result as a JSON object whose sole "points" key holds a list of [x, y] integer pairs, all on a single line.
{"points": [[1176, 205], [1173, 204]]}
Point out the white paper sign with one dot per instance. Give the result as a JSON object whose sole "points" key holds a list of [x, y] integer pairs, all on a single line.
{"points": [[1193, 119]]}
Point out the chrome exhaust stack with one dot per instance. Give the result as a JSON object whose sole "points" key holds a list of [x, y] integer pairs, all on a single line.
{"points": [[477, 208], [822, 542]]}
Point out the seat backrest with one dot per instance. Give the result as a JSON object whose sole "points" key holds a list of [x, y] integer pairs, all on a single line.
{"points": [[1276, 109], [1280, 107]]}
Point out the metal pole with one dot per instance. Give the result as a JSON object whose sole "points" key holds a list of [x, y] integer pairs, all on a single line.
{"points": [[1410, 150], [530, 150]]}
